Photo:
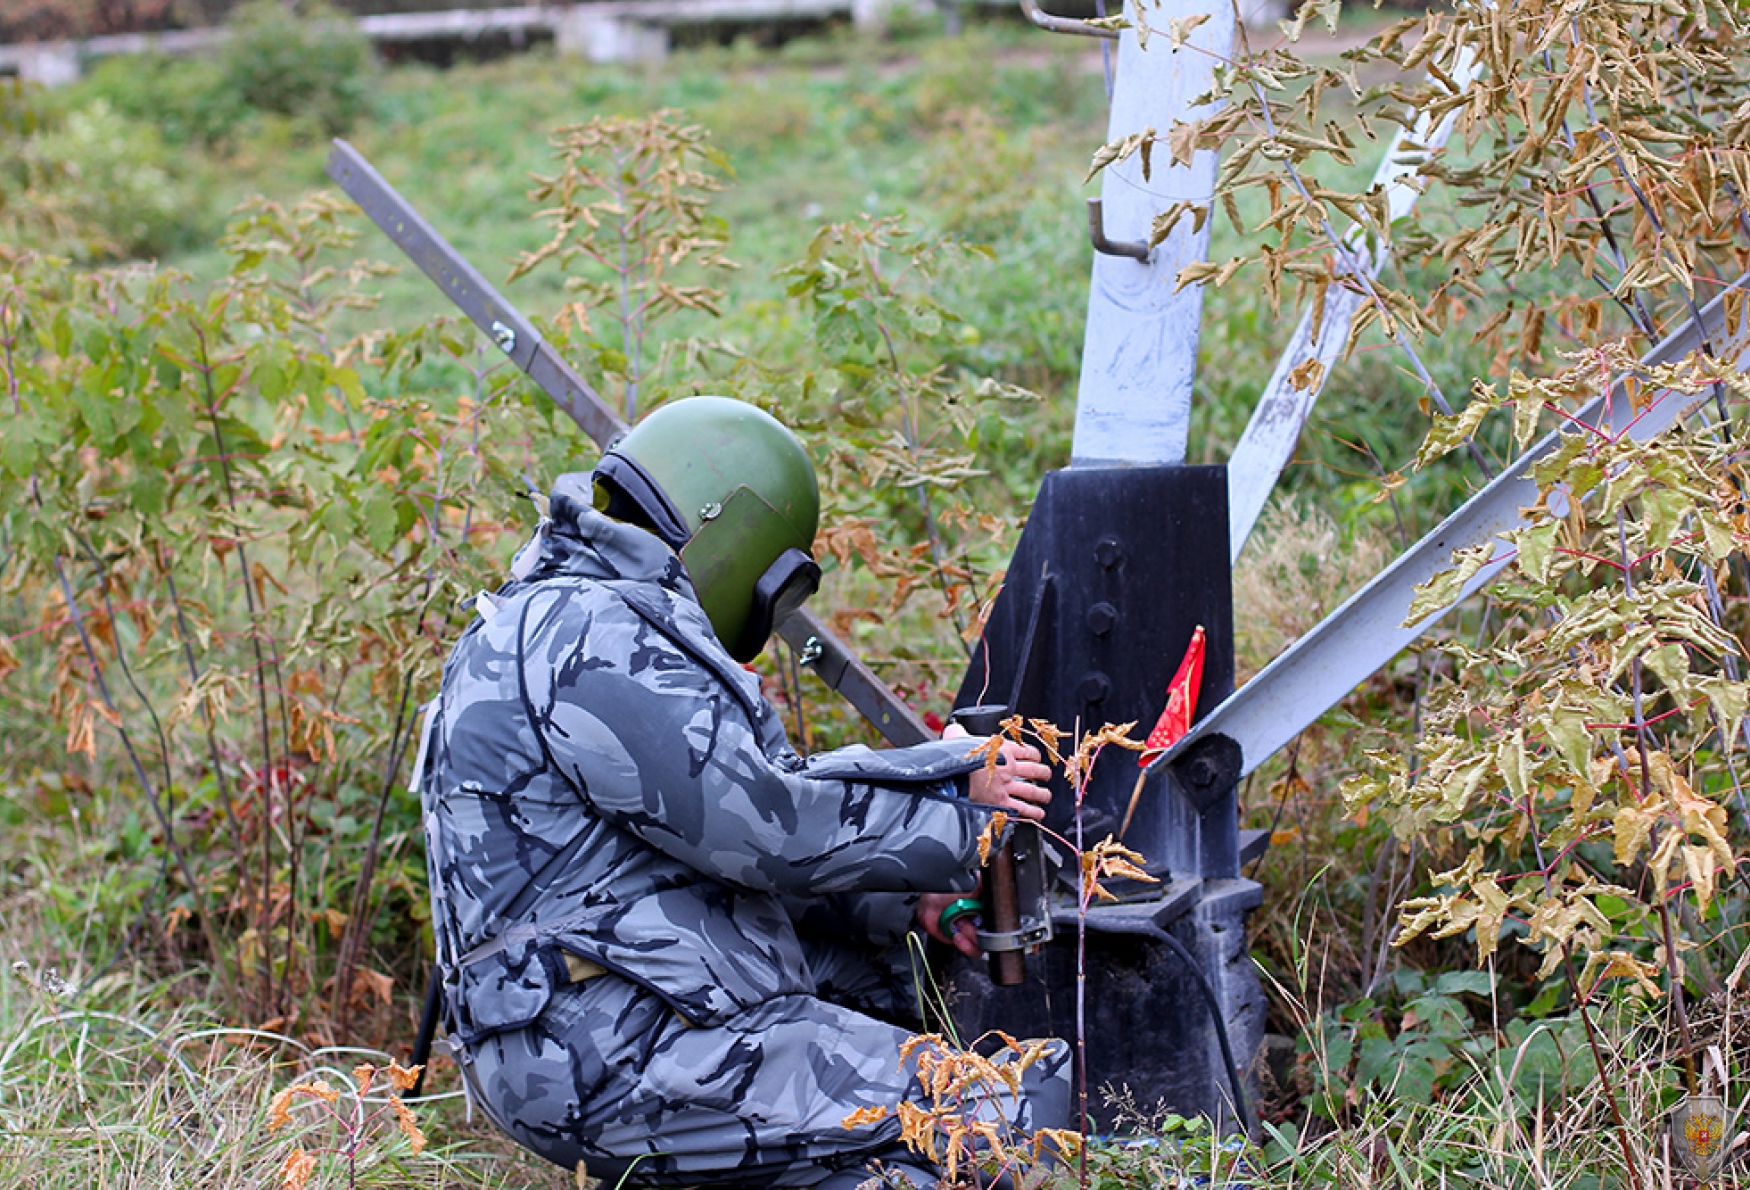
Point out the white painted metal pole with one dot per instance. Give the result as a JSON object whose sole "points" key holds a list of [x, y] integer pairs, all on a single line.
{"points": [[1139, 356]]}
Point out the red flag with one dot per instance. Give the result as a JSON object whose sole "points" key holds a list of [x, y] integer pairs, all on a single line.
{"points": [[1175, 721]]}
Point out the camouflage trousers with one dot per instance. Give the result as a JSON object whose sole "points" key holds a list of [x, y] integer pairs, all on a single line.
{"points": [[611, 1077]]}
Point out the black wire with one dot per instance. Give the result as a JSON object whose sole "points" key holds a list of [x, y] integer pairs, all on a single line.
{"points": [[1227, 1055], [1150, 930], [428, 1022]]}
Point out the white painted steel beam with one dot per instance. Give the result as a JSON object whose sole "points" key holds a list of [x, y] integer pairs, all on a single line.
{"points": [[1282, 410], [1364, 634], [1139, 357]]}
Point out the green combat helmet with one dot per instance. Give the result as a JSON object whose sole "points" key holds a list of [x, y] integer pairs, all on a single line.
{"points": [[733, 492]]}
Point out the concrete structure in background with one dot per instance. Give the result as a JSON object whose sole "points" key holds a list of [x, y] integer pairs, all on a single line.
{"points": [[608, 31]]}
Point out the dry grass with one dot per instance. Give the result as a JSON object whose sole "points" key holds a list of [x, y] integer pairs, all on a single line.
{"points": [[1297, 567], [142, 1093]]}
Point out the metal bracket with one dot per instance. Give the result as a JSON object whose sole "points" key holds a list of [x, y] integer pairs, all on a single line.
{"points": [[1033, 931], [1135, 249], [1206, 771], [1053, 24]]}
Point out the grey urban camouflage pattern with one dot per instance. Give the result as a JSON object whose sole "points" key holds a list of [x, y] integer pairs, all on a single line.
{"points": [[601, 778]]}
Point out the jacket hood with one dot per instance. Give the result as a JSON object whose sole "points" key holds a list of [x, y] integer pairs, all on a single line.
{"points": [[577, 540]]}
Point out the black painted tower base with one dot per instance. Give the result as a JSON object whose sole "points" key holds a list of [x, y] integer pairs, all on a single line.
{"points": [[1114, 572]]}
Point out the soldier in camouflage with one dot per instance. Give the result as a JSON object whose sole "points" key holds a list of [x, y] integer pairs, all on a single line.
{"points": [[667, 941]]}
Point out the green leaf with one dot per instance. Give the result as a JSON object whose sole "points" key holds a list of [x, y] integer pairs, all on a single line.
{"points": [[1729, 700], [146, 492], [1525, 411], [18, 445], [613, 362], [1670, 662], [1662, 512], [347, 381], [1477, 983], [1537, 546], [62, 334], [1379, 1056], [379, 518], [92, 396], [1440, 1015], [1717, 535], [1545, 1001], [1450, 433], [1515, 765], [272, 381], [1566, 729], [1415, 1080], [1441, 591]]}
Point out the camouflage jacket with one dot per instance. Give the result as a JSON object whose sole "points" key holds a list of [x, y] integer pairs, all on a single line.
{"points": [[600, 777]]}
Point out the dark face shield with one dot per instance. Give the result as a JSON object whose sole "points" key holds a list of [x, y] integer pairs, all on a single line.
{"points": [[780, 593]]}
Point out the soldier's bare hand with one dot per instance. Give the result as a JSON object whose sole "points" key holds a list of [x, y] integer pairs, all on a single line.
{"points": [[1018, 782], [965, 935]]}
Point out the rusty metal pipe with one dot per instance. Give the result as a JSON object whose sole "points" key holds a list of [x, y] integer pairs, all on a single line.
{"points": [[1000, 891], [1053, 24]]}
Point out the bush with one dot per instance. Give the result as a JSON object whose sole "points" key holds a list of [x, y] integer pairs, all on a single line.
{"points": [[310, 65], [89, 182], [188, 100], [118, 179]]}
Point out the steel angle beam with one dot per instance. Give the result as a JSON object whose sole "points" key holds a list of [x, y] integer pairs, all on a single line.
{"points": [[516, 336], [835, 664], [472, 293], [1368, 630], [1287, 401]]}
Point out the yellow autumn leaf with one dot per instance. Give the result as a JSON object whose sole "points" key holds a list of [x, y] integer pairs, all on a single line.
{"points": [[1113, 860], [1632, 828], [1492, 905], [988, 836], [295, 1173], [989, 750], [1067, 1143], [863, 1117], [280, 1110], [917, 1128], [1308, 374], [1616, 964], [1664, 854], [1049, 736], [1181, 28], [408, 1125], [1700, 863]]}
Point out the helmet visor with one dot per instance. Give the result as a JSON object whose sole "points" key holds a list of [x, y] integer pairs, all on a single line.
{"points": [[781, 591], [747, 573]]}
